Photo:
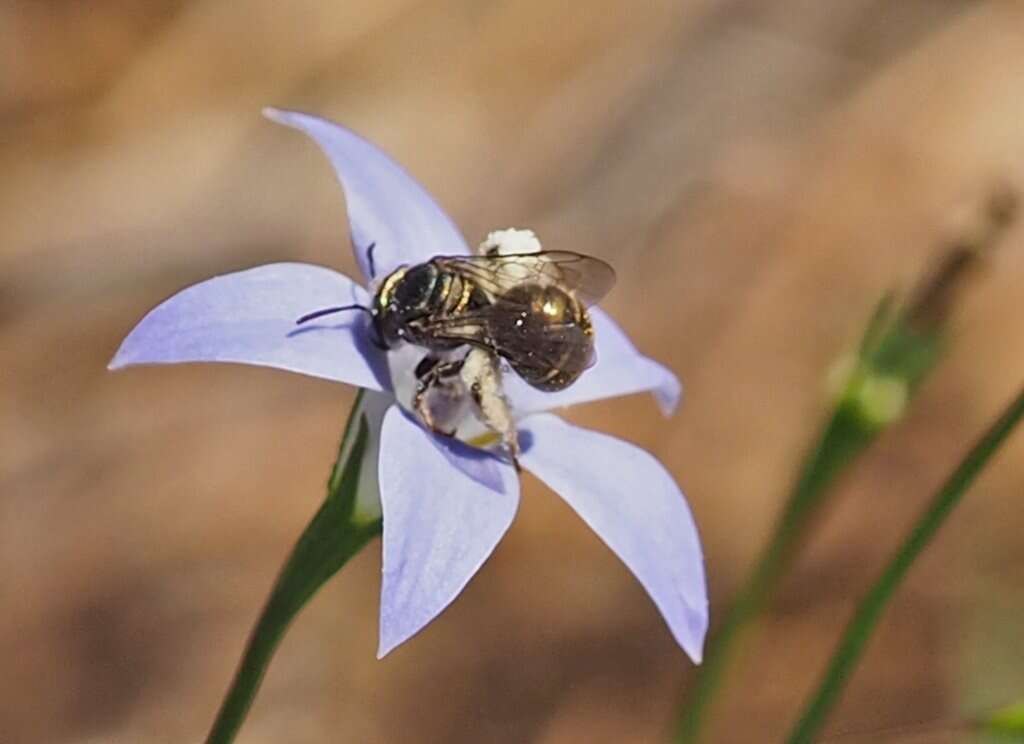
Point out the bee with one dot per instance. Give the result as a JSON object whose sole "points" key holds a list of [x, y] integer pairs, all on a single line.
{"points": [[528, 310]]}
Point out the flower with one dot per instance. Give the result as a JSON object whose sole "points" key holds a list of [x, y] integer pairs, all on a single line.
{"points": [[445, 505]]}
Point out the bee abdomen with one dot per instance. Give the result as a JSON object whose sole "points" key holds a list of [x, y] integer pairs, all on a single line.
{"points": [[546, 336]]}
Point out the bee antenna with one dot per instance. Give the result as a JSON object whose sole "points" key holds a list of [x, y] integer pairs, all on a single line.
{"points": [[330, 311], [369, 259]]}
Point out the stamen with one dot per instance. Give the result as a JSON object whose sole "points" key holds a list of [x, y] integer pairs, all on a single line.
{"points": [[484, 441], [369, 259]]}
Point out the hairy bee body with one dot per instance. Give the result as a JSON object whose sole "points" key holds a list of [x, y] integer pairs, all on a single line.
{"points": [[526, 309]]}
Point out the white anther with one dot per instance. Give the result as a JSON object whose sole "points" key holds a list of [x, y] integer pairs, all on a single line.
{"points": [[510, 241]]}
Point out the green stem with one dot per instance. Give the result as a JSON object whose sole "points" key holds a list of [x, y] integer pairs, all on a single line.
{"points": [[327, 543], [870, 610], [844, 437], [1005, 721]]}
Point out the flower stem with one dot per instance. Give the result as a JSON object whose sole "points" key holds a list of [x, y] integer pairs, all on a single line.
{"points": [[900, 346], [893, 358], [327, 543], [843, 438], [863, 623], [1006, 721]]}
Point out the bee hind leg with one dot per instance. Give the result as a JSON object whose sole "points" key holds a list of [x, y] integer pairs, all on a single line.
{"points": [[481, 374]]}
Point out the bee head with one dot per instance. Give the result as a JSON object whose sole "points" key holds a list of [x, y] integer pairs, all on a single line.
{"points": [[404, 296]]}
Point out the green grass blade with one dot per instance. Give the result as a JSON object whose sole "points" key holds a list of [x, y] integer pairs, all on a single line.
{"points": [[863, 623], [844, 437]]}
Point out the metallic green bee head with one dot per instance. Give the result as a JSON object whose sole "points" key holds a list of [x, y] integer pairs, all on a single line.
{"points": [[406, 295]]}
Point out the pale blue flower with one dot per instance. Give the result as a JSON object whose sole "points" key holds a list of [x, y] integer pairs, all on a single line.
{"points": [[445, 505]]}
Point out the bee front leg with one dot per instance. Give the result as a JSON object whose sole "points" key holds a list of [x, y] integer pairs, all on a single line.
{"points": [[432, 373], [481, 375]]}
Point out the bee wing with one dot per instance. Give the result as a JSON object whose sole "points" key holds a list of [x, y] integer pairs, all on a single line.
{"points": [[548, 356], [468, 328], [587, 277]]}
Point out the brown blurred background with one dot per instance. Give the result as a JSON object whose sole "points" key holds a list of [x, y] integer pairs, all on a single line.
{"points": [[758, 172]]}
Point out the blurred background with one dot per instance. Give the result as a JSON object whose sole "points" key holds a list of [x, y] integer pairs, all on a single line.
{"points": [[758, 172]]}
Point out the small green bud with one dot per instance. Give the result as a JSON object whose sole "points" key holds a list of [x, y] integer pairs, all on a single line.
{"points": [[882, 399], [879, 399]]}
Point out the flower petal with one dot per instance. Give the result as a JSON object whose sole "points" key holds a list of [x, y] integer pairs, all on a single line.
{"points": [[630, 500], [386, 206], [620, 370], [249, 317], [440, 524]]}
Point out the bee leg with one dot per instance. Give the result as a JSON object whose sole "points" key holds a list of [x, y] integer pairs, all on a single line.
{"points": [[431, 372], [513, 453], [481, 375]]}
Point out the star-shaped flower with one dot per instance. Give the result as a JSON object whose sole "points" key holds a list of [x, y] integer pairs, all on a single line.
{"points": [[445, 504]]}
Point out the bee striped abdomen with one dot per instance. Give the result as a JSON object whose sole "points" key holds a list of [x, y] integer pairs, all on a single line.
{"points": [[545, 334]]}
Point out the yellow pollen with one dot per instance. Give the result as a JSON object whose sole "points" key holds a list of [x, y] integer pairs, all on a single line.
{"points": [[483, 441]]}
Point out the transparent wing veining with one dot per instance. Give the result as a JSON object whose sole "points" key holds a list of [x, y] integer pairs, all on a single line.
{"points": [[588, 278], [548, 355]]}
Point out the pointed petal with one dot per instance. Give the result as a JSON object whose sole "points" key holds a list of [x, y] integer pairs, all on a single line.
{"points": [[630, 500], [249, 317], [620, 370], [440, 524], [386, 205]]}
